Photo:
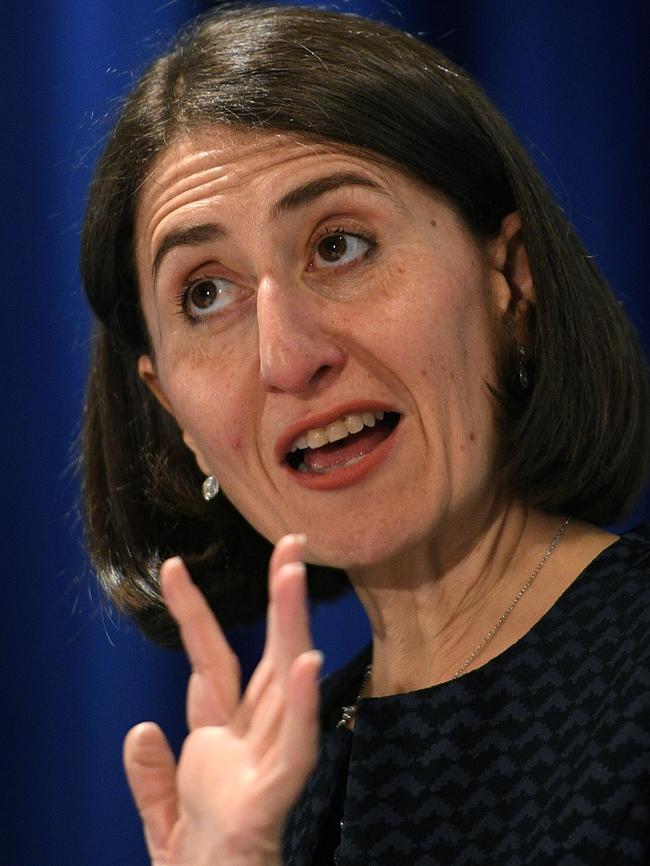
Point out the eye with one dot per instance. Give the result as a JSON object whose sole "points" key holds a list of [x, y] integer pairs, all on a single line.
{"points": [[209, 295], [340, 248]]}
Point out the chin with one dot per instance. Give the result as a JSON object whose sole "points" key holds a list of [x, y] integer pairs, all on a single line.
{"points": [[356, 550]]}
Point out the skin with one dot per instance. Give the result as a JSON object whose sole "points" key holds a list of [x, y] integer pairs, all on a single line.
{"points": [[408, 326], [262, 745], [407, 318]]}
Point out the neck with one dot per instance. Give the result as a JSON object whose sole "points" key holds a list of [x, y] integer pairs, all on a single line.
{"points": [[432, 605]]}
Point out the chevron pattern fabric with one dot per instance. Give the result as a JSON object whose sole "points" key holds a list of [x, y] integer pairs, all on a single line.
{"points": [[540, 757]]}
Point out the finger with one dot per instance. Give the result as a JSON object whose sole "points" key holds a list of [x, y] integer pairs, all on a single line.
{"points": [[288, 621], [287, 637], [214, 687], [264, 717], [289, 633], [289, 549], [297, 736], [300, 723], [151, 773], [205, 704]]}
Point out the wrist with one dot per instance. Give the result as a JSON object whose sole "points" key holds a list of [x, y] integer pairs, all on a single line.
{"points": [[254, 859], [252, 854]]}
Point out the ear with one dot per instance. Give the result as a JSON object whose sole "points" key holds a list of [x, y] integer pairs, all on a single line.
{"points": [[147, 373], [513, 289]]}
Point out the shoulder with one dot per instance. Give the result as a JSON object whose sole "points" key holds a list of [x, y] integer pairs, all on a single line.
{"points": [[631, 550], [602, 624], [618, 579]]}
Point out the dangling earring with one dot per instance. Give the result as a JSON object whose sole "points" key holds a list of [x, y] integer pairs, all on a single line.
{"points": [[523, 372], [210, 488]]}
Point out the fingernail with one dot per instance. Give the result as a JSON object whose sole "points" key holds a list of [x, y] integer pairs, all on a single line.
{"points": [[319, 656], [300, 537], [173, 560]]}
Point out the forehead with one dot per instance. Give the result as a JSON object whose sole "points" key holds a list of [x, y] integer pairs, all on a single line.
{"points": [[229, 156], [220, 165]]}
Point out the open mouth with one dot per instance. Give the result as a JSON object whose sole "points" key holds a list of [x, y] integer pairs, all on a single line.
{"points": [[342, 443]]}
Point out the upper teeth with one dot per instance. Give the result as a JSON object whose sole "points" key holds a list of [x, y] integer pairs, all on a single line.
{"points": [[339, 429]]}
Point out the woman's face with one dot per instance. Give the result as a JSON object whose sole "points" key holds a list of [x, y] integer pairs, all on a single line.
{"points": [[294, 293]]}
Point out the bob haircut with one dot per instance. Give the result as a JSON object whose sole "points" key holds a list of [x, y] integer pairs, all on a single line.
{"points": [[575, 442]]}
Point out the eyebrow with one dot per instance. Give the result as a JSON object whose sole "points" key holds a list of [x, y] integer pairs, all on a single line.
{"points": [[308, 192], [293, 200], [193, 236]]}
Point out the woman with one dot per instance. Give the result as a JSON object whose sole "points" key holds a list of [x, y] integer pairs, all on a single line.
{"points": [[333, 293]]}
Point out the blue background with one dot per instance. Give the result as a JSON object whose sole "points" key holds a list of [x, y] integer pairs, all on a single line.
{"points": [[572, 79]]}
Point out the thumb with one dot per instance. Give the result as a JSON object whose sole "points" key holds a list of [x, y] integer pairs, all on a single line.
{"points": [[151, 772]]}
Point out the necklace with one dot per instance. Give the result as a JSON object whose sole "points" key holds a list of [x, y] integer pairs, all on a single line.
{"points": [[350, 712]]}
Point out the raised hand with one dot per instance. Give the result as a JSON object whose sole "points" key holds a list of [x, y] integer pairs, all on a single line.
{"points": [[247, 757]]}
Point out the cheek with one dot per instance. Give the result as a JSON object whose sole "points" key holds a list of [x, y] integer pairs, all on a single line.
{"points": [[208, 404], [451, 350]]}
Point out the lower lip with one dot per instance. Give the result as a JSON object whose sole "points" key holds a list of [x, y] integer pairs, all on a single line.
{"points": [[346, 476]]}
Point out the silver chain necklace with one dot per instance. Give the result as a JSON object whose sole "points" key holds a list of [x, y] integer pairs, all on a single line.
{"points": [[350, 712]]}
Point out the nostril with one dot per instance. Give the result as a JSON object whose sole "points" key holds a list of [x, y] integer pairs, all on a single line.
{"points": [[321, 374], [298, 378]]}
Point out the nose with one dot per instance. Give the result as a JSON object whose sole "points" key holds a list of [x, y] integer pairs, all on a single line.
{"points": [[298, 349]]}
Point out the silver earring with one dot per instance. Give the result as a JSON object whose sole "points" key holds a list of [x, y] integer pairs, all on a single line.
{"points": [[523, 372], [210, 488]]}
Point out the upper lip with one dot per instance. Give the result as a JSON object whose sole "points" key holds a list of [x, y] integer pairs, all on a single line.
{"points": [[322, 419]]}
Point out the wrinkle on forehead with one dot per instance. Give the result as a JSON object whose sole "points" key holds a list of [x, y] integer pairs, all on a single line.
{"points": [[186, 168], [196, 169]]}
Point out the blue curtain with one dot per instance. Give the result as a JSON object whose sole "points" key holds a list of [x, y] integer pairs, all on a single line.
{"points": [[571, 78]]}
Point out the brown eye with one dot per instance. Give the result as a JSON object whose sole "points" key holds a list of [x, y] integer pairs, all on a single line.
{"points": [[211, 295], [340, 248], [333, 247], [203, 295]]}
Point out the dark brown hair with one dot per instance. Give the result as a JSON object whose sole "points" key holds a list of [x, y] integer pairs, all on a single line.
{"points": [[576, 442]]}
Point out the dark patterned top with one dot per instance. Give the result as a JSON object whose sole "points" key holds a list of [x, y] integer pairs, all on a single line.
{"points": [[541, 756]]}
